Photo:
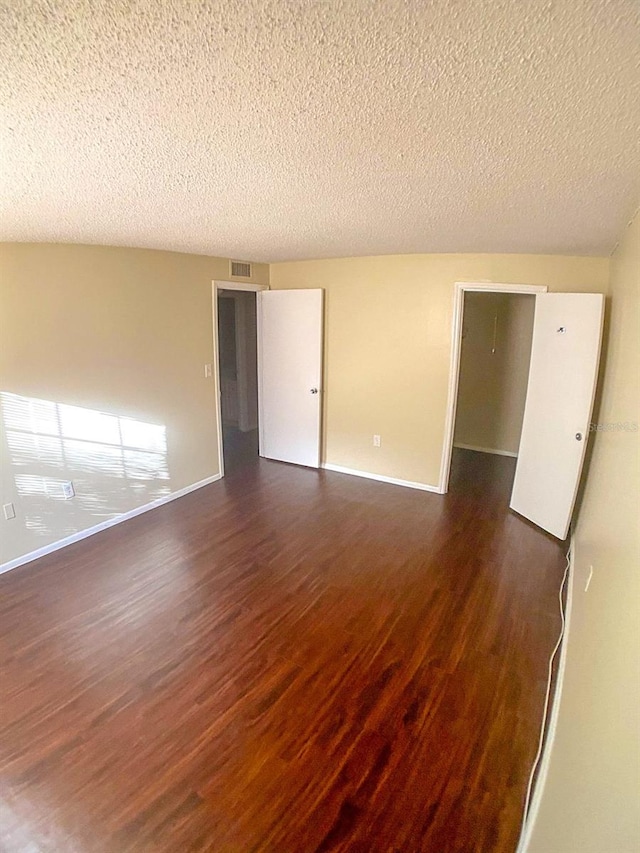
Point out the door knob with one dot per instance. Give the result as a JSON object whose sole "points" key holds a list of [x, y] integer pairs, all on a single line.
{"points": [[314, 390], [578, 436]]}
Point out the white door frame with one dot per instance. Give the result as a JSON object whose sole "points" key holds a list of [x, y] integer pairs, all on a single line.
{"points": [[460, 288], [216, 285]]}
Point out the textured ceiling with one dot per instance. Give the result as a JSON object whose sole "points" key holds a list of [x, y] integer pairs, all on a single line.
{"points": [[285, 129]]}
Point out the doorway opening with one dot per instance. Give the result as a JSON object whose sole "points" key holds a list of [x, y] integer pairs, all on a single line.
{"points": [[268, 361], [238, 374], [490, 357], [495, 352]]}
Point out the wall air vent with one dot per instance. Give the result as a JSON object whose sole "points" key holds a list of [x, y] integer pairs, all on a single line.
{"points": [[240, 269]]}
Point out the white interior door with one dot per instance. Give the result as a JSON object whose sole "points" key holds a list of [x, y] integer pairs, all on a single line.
{"points": [[567, 331], [290, 374]]}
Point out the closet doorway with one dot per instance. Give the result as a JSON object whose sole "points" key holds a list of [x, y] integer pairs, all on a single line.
{"points": [[561, 383], [497, 331]]}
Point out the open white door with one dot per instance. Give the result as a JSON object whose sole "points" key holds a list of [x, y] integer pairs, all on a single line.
{"points": [[567, 330], [290, 375]]}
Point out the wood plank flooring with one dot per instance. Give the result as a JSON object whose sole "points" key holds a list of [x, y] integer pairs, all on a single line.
{"points": [[285, 661]]}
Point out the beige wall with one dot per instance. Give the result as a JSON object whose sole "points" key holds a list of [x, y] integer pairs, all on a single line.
{"points": [[493, 379], [122, 335], [387, 346], [591, 800]]}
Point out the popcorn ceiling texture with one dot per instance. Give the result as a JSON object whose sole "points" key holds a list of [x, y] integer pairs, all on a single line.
{"points": [[290, 129]]}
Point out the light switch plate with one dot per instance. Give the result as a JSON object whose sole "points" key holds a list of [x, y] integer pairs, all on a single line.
{"points": [[9, 511]]}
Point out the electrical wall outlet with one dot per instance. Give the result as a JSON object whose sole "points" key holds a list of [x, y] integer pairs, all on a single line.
{"points": [[9, 511], [377, 441], [67, 490], [207, 371]]}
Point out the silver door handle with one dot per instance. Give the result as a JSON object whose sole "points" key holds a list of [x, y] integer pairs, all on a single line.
{"points": [[578, 436], [314, 390]]}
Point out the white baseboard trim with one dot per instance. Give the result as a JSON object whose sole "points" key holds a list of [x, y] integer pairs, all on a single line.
{"points": [[486, 450], [545, 759], [110, 522], [392, 480]]}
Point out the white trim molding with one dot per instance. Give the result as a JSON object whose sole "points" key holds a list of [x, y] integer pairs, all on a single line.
{"points": [[459, 290], [216, 372], [104, 525], [382, 479], [239, 285], [493, 450]]}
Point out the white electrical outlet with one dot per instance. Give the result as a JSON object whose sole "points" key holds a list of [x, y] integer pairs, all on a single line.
{"points": [[9, 511], [207, 371], [377, 441], [586, 586], [67, 490]]}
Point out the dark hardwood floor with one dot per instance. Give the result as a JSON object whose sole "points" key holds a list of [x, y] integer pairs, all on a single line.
{"points": [[288, 661], [240, 448]]}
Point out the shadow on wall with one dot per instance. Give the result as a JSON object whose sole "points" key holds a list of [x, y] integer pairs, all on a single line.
{"points": [[113, 461]]}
